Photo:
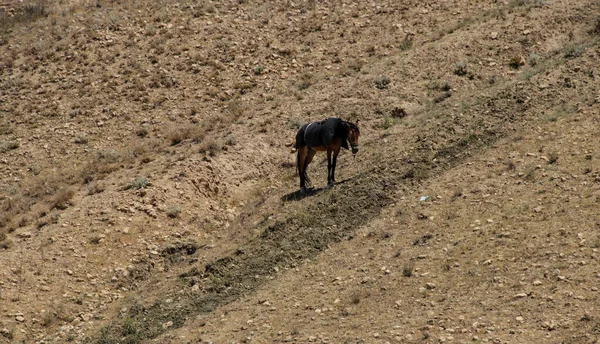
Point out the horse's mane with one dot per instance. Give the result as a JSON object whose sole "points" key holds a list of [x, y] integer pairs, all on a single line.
{"points": [[354, 126]]}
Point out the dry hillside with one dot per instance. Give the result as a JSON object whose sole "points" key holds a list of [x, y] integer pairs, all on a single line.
{"points": [[148, 193]]}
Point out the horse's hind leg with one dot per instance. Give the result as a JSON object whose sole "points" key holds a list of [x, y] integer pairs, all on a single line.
{"points": [[301, 167], [309, 157]]}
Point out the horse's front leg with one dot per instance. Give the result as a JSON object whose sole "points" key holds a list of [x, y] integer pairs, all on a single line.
{"points": [[300, 165], [329, 168], [334, 163]]}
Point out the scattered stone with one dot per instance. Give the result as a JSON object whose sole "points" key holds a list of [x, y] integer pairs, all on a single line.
{"points": [[493, 35], [550, 325], [520, 295], [537, 282], [25, 235], [519, 319], [5, 333]]}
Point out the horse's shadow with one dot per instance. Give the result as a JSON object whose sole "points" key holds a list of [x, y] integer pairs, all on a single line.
{"points": [[297, 195]]}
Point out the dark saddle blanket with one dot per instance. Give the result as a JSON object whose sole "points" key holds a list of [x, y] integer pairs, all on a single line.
{"points": [[322, 133]]}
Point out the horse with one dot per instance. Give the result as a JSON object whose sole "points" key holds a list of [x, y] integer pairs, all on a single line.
{"points": [[329, 135]]}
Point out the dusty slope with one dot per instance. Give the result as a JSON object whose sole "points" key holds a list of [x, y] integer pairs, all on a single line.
{"points": [[154, 116]]}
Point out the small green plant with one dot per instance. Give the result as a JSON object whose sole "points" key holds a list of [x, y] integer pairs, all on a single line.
{"points": [[528, 73], [129, 327], [382, 82], [460, 68], [139, 183], [258, 70], [407, 42], [387, 122], [407, 269], [533, 59], [217, 284], [572, 51]]}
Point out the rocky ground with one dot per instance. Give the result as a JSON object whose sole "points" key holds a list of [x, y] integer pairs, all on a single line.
{"points": [[148, 192]]}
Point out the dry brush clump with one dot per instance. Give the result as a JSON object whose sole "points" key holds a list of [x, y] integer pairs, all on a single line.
{"points": [[178, 134], [5, 242]]}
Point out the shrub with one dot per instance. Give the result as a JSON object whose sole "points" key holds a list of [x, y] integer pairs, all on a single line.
{"points": [[306, 80], [230, 140], [173, 211], [407, 42], [258, 70], [62, 198], [533, 59], [139, 183], [382, 82], [143, 132], [8, 145], [516, 62], [572, 51], [460, 68]]}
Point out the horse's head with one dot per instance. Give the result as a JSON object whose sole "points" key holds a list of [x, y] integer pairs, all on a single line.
{"points": [[353, 135]]}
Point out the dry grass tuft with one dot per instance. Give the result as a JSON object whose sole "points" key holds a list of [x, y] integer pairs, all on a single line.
{"points": [[62, 198]]}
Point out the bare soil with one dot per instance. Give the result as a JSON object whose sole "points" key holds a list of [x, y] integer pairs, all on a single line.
{"points": [[148, 193]]}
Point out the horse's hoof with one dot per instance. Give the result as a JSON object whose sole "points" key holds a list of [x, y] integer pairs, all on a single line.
{"points": [[302, 191], [330, 184]]}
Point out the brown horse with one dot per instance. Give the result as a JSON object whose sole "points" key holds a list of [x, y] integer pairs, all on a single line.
{"points": [[328, 135]]}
